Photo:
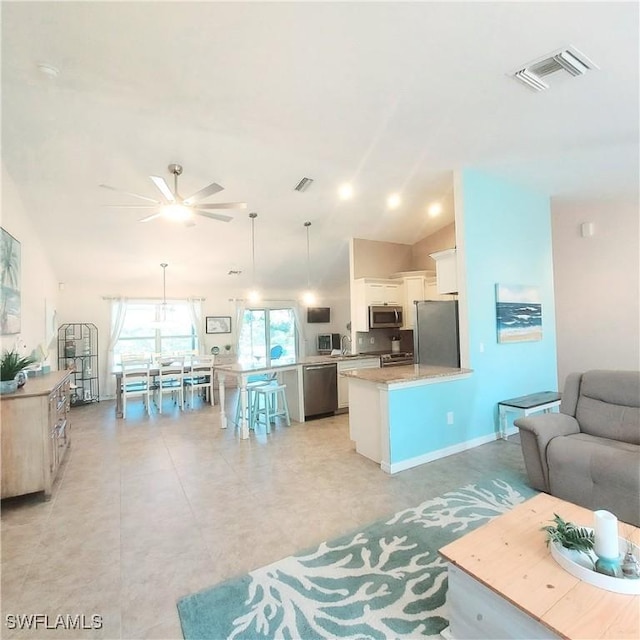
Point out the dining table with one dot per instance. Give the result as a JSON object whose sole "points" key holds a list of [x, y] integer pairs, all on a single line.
{"points": [[154, 371], [289, 374]]}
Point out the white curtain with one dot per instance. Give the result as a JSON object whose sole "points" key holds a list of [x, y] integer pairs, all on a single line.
{"points": [[302, 343], [240, 307], [195, 313], [118, 314]]}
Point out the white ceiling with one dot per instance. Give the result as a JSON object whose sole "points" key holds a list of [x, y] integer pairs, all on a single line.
{"points": [[254, 96]]}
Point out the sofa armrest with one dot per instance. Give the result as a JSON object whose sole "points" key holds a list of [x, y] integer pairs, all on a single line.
{"points": [[535, 434]]}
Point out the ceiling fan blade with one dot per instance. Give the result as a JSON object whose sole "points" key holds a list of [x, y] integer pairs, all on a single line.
{"points": [[203, 193], [128, 193], [163, 187], [213, 216], [133, 206], [224, 205], [151, 217]]}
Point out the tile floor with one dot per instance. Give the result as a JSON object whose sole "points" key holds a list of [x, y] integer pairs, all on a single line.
{"points": [[149, 509]]}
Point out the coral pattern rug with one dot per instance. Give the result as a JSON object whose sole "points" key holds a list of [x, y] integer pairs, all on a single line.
{"points": [[386, 581]]}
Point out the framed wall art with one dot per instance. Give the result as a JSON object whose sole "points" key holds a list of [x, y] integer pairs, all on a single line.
{"points": [[218, 324], [10, 276], [518, 313]]}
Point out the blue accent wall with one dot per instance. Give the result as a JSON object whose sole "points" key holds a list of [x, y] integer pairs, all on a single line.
{"points": [[506, 238]]}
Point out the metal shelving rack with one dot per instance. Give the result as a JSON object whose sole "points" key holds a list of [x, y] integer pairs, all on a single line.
{"points": [[78, 351]]}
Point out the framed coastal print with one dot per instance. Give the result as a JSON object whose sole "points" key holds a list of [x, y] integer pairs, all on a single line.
{"points": [[218, 324], [10, 276], [518, 313]]}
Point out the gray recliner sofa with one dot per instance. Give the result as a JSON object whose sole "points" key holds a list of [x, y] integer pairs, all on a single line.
{"points": [[589, 453]]}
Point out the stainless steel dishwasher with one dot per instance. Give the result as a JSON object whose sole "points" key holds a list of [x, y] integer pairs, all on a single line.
{"points": [[320, 383]]}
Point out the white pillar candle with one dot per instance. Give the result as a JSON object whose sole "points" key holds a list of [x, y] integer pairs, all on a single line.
{"points": [[605, 534]]}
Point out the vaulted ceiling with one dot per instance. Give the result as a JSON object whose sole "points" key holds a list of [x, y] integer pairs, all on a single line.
{"points": [[390, 97]]}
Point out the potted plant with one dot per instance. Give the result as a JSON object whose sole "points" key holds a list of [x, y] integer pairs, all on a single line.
{"points": [[570, 536], [11, 364]]}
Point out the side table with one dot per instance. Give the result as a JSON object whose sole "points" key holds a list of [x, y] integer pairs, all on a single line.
{"points": [[543, 401]]}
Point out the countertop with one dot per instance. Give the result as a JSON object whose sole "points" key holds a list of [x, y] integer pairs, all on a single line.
{"points": [[238, 368], [41, 385], [406, 373]]}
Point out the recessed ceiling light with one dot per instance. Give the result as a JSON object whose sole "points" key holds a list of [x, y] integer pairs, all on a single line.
{"points": [[345, 192], [434, 209], [393, 201]]}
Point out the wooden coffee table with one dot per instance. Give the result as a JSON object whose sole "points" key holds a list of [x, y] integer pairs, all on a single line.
{"points": [[503, 582]]}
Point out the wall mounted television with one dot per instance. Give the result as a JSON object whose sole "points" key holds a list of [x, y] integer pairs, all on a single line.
{"points": [[318, 314]]}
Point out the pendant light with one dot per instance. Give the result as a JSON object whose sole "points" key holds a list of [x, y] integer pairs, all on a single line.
{"points": [[254, 294], [162, 320], [308, 297]]}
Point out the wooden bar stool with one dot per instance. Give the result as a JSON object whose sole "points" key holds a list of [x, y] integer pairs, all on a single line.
{"points": [[269, 403]]}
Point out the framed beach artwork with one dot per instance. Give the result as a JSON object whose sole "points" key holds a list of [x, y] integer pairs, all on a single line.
{"points": [[10, 275], [218, 324], [518, 313]]}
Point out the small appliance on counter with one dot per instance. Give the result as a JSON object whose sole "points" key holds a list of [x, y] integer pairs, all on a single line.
{"points": [[327, 342]]}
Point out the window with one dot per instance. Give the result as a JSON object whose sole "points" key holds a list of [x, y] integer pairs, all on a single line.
{"points": [[142, 331], [263, 331]]}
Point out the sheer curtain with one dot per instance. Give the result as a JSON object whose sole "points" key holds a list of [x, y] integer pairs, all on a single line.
{"points": [[118, 314], [240, 307], [195, 312]]}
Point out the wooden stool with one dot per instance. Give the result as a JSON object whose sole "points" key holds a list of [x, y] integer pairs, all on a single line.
{"points": [[269, 403]]}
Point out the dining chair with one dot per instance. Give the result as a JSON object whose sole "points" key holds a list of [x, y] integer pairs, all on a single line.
{"points": [[170, 379], [199, 375], [136, 381]]}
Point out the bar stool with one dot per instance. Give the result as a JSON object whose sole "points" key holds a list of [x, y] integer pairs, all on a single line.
{"points": [[269, 403], [252, 385]]}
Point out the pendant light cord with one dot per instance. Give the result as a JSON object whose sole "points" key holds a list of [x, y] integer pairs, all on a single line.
{"points": [[253, 217], [307, 225]]}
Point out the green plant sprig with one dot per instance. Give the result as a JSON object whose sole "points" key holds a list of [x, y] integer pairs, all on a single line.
{"points": [[569, 535], [11, 364]]}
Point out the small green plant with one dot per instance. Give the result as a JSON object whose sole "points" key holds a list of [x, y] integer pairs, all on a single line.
{"points": [[569, 535], [12, 364]]}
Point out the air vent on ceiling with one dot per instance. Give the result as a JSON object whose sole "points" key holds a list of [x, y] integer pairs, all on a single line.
{"points": [[569, 59], [303, 185]]}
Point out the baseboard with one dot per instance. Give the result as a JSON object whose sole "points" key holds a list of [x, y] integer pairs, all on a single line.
{"points": [[403, 465]]}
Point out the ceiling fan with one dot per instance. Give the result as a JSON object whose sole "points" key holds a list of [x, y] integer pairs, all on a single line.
{"points": [[173, 206]]}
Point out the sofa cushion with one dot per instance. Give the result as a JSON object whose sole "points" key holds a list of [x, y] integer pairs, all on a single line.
{"points": [[596, 473], [609, 405]]}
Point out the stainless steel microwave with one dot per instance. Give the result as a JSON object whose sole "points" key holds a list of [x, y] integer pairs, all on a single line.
{"points": [[385, 317]]}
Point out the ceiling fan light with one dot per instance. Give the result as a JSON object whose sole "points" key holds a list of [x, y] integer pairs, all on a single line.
{"points": [[176, 212]]}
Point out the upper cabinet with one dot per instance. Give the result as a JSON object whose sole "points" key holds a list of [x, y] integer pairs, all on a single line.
{"points": [[446, 271], [373, 291]]}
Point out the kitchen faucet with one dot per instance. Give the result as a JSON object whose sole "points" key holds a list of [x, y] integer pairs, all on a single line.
{"points": [[343, 348]]}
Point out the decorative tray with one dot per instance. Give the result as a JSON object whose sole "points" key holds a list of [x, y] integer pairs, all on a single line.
{"points": [[580, 566]]}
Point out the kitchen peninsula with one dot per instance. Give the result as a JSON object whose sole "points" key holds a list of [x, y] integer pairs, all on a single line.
{"points": [[396, 414]]}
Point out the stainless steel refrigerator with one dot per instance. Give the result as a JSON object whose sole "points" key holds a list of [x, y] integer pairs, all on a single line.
{"points": [[436, 339]]}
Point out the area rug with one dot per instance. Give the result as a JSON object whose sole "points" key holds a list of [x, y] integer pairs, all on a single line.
{"points": [[386, 581]]}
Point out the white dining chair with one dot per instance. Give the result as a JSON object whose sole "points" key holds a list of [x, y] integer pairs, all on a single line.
{"points": [[136, 382], [170, 379], [199, 376]]}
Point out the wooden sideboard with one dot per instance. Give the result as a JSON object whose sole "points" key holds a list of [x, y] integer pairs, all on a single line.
{"points": [[34, 434]]}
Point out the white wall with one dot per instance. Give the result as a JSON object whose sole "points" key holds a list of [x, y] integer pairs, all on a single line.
{"points": [[39, 286], [597, 284]]}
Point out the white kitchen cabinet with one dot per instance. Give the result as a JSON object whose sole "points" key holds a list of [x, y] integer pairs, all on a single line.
{"points": [[446, 271], [414, 289], [343, 383], [373, 291]]}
